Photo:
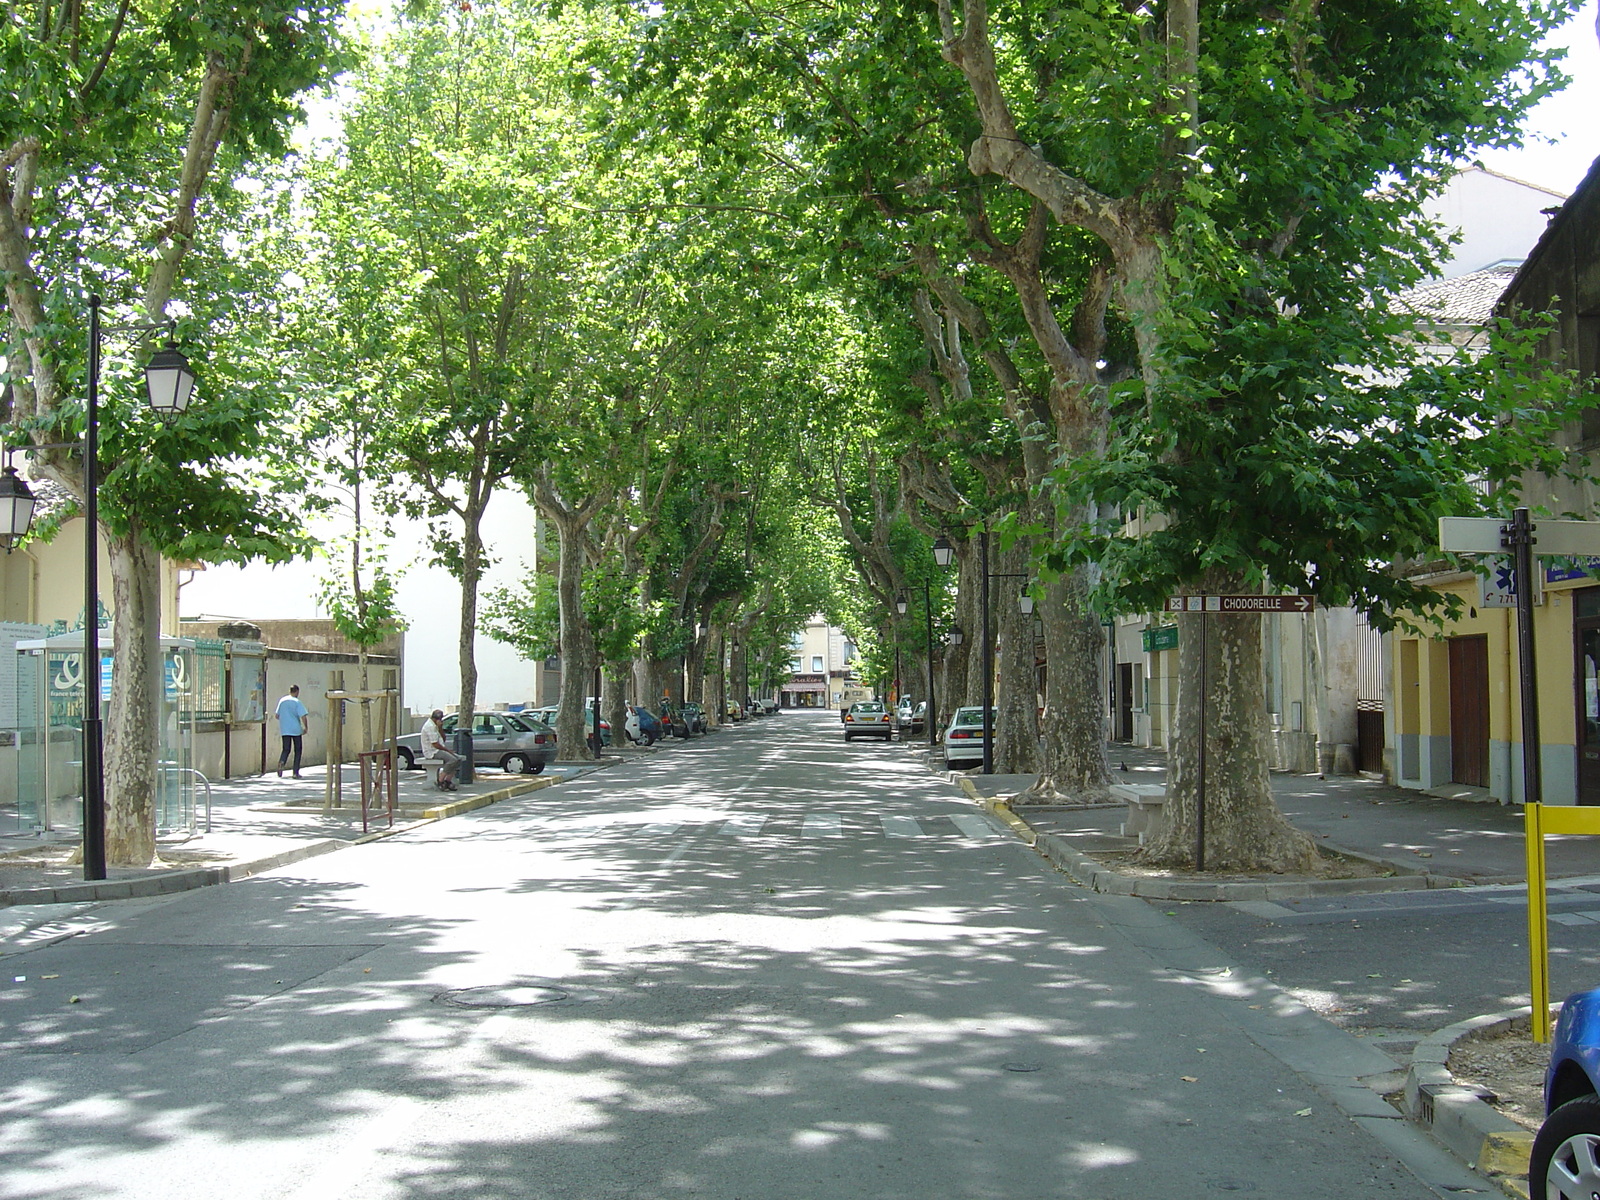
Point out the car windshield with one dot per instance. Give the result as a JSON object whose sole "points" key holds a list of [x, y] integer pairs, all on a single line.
{"points": [[968, 716], [866, 708]]}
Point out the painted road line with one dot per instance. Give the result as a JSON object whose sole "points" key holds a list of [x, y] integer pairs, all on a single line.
{"points": [[744, 825], [660, 828], [901, 827], [974, 827], [822, 825]]}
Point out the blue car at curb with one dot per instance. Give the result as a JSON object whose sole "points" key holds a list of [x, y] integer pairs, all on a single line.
{"points": [[1565, 1163]]}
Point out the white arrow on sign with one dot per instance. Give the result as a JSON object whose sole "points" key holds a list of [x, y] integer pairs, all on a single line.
{"points": [[1481, 535]]}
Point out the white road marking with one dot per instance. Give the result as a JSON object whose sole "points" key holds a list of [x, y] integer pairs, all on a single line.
{"points": [[822, 825], [901, 827], [744, 825], [975, 827], [661, 828]]}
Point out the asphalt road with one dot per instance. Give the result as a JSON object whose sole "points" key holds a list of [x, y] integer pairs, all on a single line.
{"points": [[1395, 967], [764, 965]]}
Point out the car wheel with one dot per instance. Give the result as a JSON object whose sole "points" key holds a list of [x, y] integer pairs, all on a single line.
{"points": [[848, 736], [514, 764], [1566, 1153], [535, 768], [407, 761]]}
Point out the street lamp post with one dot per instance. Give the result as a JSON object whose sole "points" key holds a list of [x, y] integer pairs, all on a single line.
{"points": [[943, 552], [169, 386]]}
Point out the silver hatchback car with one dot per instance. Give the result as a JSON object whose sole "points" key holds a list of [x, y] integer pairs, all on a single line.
{"points": [[515, 742]]}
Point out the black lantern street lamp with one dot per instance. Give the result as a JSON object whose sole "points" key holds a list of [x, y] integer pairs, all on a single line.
{"points": [[957, 635], [169, 386], [16, 508]]}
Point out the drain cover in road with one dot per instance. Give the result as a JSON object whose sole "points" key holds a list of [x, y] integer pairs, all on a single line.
{"points": [[503, 995]]}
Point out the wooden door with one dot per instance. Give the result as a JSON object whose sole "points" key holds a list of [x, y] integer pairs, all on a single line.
{"points": [[1586, 635], [1469, 710]]}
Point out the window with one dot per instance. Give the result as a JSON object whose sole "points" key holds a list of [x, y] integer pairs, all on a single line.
{"points": [[794, 666], [816, 663]]}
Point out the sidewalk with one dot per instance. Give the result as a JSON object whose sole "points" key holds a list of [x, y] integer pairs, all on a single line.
{"points": [[256, 823], [1446, 840]]}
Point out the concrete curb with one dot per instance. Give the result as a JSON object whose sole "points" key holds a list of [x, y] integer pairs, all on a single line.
{"points": [[166, 883], [456, 807], [1098, 877], [1458, 1117]]}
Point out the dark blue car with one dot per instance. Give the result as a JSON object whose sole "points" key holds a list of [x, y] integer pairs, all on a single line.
{"points": [[649, 724], [1565, 1162]]}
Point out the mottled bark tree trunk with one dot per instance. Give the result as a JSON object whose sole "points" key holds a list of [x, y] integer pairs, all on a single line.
{"points": [[133, 733], [577, 648], [1073, 723], [1016, 713], [1225, 689]]}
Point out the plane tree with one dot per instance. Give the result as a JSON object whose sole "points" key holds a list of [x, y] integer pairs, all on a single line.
{"points": [[1253, 181], [119, 124]]}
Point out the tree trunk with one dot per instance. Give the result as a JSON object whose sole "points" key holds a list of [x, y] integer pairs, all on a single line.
{"points": [[1016, 715], [1074, 767], [577, 651], [467, 632], [615, 701], [1244, 831], [133, 733], [969, 615]]}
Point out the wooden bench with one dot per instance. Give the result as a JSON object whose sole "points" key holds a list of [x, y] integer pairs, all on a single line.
{"points": [[1146, 805]]}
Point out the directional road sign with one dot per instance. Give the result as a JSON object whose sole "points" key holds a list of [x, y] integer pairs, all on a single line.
{"points": [[1485, 535], [1241, 604]]}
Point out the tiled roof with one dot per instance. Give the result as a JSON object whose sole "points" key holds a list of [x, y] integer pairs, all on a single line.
{"points": [[51, 497], [1465, 300]]}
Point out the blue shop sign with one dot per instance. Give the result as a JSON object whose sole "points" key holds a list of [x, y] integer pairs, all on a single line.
{"points": [[1572, 568]]}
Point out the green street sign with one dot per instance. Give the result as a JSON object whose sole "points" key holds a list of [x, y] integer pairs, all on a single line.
{"points": [[1160, 637]]}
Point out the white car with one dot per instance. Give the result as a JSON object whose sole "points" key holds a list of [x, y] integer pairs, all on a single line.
{"points": [[963, 737], [867, 719]]}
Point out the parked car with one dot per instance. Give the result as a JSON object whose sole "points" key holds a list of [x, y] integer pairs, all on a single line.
{"points": [[963, 737], [549, 712], [1565, 1161], [912, 719], [673, 721], [869, 718], [696, 716], [515, 742], [643, 725]]}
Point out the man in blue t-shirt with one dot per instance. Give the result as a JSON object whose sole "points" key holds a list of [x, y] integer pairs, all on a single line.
{"points": [[292, 717]]}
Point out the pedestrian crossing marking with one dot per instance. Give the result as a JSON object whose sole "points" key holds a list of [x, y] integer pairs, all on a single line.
{"points": [[974, 827], [768, 826]]}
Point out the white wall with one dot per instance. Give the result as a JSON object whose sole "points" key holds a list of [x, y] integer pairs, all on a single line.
{"points": [[1499, 219], [429, 597]]}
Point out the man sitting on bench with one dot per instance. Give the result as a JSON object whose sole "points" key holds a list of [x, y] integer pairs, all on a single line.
{"points": [[433, 746]]}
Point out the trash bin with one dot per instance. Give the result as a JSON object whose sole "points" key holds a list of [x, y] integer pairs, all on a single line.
{"points": [[463, 747]]}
